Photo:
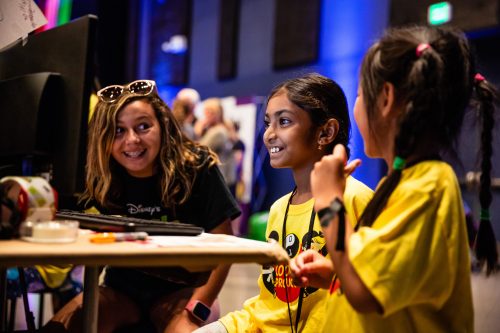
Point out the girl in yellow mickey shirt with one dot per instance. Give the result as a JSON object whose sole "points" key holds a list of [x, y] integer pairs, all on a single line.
{"points": [[305, 117]]}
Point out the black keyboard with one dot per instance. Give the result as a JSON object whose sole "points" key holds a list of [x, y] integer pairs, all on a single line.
{"points": [[111, 223]]}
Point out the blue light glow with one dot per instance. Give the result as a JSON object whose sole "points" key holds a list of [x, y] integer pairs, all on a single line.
{"points": [[348, 28]]}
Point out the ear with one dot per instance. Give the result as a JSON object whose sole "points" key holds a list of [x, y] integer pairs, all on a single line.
{"points": [[328, 132], [386, 101]]}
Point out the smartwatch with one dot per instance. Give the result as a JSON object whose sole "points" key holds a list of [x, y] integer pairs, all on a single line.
{"points": [[199, 310], [326, 214]]}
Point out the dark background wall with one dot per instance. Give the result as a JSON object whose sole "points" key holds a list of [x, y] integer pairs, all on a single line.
{"points": [[116, 38], [128, 41]]}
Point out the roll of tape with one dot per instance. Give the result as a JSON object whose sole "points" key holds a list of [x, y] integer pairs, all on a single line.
{"points": [[35, 198]]}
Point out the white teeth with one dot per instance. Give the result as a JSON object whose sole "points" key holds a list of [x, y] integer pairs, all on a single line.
{"points": [[275, 149], [133, 153]]}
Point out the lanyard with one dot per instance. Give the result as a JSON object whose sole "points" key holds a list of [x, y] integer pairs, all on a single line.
{"points": [[307, 246]]}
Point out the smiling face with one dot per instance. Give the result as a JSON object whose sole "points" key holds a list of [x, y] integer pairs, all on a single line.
{"points": [[289, 136], [137, 139]]}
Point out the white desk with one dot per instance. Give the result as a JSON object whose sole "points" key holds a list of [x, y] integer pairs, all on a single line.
{"points": [[198, 253]]}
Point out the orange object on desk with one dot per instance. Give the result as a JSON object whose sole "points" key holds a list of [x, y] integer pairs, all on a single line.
{"points": [[111, 237]]}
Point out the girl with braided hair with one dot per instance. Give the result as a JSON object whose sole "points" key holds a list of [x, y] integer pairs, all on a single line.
{"points": [[405, 266]]}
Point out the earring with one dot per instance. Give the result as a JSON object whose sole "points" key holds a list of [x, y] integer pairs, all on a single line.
{"points": [[320, 147]]}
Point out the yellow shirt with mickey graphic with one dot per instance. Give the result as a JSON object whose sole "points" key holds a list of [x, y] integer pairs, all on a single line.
{"points": [[414, 260], [268, 311]]}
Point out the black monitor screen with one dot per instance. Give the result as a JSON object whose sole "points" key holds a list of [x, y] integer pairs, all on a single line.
{"points": [[45, 87]]}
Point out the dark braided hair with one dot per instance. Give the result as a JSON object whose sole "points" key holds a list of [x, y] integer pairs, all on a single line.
{"points": [[432, 70], [432, 87], [485, 244]]}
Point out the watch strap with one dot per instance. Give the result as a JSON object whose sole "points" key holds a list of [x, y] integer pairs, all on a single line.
{"points": [[326, 214]]}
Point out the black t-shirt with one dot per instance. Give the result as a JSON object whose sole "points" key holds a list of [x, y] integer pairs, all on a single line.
{"points": [[209, 205]]}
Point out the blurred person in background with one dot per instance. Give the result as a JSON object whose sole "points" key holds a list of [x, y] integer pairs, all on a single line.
{"points": [[183, 108], [214, 132]]}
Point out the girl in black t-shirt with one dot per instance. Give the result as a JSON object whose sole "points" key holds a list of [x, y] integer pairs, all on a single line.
{"points": [[140, 164]]}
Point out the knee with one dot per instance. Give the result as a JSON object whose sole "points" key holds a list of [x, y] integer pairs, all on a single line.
{"points": [[116, 310]]}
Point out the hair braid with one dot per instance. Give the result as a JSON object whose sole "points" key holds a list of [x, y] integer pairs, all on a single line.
{"points": [[485, 244], [418, 90]]}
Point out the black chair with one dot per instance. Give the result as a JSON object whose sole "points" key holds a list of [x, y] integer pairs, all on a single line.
{"points": [[61, 295]]}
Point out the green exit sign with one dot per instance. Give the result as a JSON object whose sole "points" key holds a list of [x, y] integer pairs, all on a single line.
{"points": [[439, 13]]}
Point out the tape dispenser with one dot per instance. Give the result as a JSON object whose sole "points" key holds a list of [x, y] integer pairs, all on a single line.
{"points": [[28, 207]]}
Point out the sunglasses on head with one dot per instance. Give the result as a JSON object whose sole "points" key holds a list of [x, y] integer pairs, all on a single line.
{"points": [[110, 94]]}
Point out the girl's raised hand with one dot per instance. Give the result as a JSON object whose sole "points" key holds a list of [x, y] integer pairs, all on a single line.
{"points": [[310, 268], [328, 177], [351, 167]]}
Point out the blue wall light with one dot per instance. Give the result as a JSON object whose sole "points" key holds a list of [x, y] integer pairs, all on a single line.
{"points": [[348, 28]]}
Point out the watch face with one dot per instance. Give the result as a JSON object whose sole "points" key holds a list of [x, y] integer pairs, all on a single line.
{"points": [[201, 311]]}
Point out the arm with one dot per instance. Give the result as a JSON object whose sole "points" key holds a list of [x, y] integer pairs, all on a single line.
{"points": [[358, 295], [207, 294], [327, 183]]}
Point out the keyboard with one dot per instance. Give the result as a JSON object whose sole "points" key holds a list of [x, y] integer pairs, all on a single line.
{"points": [[111, 223]]}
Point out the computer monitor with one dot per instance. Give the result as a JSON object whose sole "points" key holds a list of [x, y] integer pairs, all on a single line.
{"points": [[45, 87]]}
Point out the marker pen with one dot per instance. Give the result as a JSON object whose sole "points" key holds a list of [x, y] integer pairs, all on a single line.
{"points": [[111, 237]]}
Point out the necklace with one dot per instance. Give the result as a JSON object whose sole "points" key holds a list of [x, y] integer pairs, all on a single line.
{"points": [[307, 246]]}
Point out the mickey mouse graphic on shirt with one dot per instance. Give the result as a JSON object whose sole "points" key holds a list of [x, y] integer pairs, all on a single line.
{"points": [[276, 277]]}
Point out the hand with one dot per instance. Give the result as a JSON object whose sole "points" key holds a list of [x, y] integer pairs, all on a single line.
{"points": [[328, 177], [310, 268], [351, 167], [181, 322]]}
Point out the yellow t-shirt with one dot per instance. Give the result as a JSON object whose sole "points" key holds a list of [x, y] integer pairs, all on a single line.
{"points": [[268, 311], [53, 275], [414, 260]]}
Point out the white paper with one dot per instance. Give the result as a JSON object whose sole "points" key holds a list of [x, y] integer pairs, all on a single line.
{"points": [[207, 240], [17, 19]]}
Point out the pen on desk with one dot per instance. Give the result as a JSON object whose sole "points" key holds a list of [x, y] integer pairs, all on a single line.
{"points": [[111, 237]]}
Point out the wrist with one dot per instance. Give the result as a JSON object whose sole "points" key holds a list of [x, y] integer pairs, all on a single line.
{"points": [[198, 310], [320, 205], [325, 201], [332, 210]]}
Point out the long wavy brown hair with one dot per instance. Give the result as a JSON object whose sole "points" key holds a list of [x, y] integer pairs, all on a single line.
{"points": [[178, 161]]}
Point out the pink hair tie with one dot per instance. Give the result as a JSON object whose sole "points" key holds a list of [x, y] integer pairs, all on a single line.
{"points": [[479, 78], [421, 48]]}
